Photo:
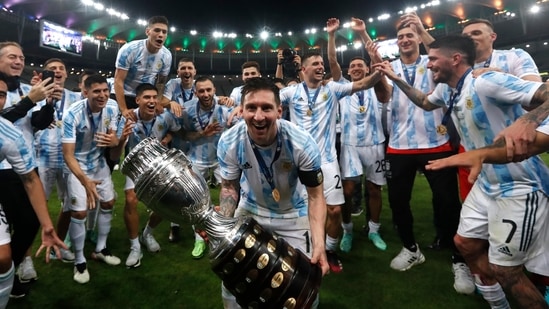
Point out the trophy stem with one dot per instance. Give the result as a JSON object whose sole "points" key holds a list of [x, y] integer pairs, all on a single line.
{"points": [[217, 227]]}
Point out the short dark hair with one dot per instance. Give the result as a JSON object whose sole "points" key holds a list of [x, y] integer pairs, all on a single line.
{"points": [[53, 60], [366, 61], [85, 73], [251, 64], [94, 79], [144, 87], [479, 21], [457, 43], [157, 20], [203, 78], [260, 83], [310, 55], [184, 59], [3, 77]]}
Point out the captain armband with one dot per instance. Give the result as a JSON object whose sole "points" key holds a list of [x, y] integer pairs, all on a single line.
{"points": [[311, 178]]}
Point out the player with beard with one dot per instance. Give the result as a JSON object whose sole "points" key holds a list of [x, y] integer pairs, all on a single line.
{"points": [[250, 69], [271, 171], [503, 225], [313, 107]]}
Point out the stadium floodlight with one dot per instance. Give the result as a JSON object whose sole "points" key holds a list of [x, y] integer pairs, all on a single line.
{"points": [[384, 16], [87, 2], [264, 35], [357, 45], [534, 9], [290, 33], [193, 32], [99, 6], [172, 29], [217, 34]]}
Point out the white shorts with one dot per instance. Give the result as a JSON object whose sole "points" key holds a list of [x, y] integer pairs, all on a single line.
{"points": [[517, 228], [76, 193], [51, 176], [367, 160], [296, 232], [333, 190], [205, 171], [5, 235], [129, 185]]}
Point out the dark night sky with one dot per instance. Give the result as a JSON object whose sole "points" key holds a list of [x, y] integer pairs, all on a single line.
{"points": [[249, 16]]}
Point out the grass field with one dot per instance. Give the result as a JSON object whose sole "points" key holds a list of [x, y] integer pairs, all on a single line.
{"points": [[172, 279]]}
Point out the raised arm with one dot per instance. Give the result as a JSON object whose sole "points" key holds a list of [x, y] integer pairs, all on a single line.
{"points": [[228, 196], [331, 27], [414, 22], [417, 97]]}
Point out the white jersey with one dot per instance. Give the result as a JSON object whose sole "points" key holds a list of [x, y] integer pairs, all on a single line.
{"points": [[47, 142], [488, 104], [174, 92], [515, 61], [142, 66], [321, 123], [80, 127], [237, 160], [23, 123], [236, 95], [413, 127], [157, 127], [203, 151], [14, 150], [361, 119]]}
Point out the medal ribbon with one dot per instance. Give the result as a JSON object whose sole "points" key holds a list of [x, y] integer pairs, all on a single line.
{"points": [[267, 171], [453, 97], [184, 94], [144, 125], [90, 116], [311, 101], [360, 96], [204, 125], [411, 80], [59, 111]]}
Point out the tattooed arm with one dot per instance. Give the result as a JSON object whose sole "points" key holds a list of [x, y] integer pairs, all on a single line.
{"points": [[229, 196], [417, 97], [522, 133]]}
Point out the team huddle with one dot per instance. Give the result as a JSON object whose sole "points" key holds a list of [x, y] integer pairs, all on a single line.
{"points": [[292, 154]]}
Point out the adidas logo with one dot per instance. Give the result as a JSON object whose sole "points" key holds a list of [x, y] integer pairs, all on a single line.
{"points": [[300, 100], [246, 165], [505, 250]]}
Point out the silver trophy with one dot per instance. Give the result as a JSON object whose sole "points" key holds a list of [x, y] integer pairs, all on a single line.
{"points": [[260, 269]]}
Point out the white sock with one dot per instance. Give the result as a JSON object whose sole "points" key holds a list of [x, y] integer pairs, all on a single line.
{"points": [[347, 227], [6, 283], [493, 294], [173, 224], [103, 228], [374, 227], [134, 243], [331, 243], [77, 232]]}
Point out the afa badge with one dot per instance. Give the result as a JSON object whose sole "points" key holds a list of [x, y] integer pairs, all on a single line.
{"points": [[469, 103], [421, 70], [160, 127], [287, 166], [324, 96], [320, 177]]}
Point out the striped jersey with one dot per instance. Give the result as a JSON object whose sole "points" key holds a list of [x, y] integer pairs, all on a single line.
{"points": [[174, 92], [360, 118], [23, 123], [413, 127], [203, 151], [321, 122], [142, 66], [236, 95], [488, 104], [79, 128], [14, 150], [157, 127], [237, 160], [47, 142], [514, 61]]}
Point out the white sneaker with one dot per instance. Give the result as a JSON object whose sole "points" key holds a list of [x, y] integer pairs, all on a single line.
{"points": [[134, 258], [26, 271], [66, 255], [463, 279], [149, 242], [81, 274], [406, 259], [106, 256]]}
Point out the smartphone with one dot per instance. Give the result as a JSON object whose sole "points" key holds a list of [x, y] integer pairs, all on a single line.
{"points": [[46, 74]]}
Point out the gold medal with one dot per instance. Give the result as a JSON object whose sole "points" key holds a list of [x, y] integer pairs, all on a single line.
{"points": [[309, 112], [276, 195], [421, 70], [324, 96], [441, 129], [59, 123], [469, 103], [362, 109]]}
